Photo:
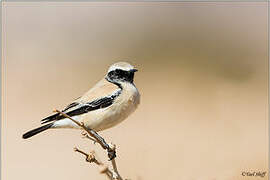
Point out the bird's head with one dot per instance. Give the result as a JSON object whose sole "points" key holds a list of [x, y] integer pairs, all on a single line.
{"points": [[121, 72]]}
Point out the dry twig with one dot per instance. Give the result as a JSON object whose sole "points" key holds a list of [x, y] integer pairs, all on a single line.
{"points": [[113, 146], [85, 135], [94, 134], [92, 157]]}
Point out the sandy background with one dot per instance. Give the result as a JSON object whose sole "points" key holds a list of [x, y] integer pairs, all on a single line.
{"points": [[202, 77]]}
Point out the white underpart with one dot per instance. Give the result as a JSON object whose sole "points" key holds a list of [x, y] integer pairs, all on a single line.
{"points": [[66, 123], [122, 107]]}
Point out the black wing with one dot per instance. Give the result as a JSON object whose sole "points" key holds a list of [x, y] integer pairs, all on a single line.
{"points": [[76, 108]]}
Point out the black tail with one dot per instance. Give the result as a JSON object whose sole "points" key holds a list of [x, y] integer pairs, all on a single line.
{"points": [[36, 131]]}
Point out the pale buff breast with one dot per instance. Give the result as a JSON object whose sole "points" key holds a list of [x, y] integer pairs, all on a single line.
{"points": [[123, 106]]}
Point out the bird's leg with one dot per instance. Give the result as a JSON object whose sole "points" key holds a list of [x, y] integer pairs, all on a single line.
{"points": [[115, 170], [102, 142]]}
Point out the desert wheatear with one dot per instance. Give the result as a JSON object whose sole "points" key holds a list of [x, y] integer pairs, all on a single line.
{"points": [[108, 103]]}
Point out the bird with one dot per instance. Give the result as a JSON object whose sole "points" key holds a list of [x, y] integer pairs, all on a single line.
{"points": [[106, 104]]}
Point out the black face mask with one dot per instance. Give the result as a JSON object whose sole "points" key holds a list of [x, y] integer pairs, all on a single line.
{"points": [[121, 75]]}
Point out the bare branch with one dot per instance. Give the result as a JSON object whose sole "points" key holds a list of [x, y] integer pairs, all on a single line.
{"points": [[94, 134], [113, 146], [85, 135], [92, 157]]}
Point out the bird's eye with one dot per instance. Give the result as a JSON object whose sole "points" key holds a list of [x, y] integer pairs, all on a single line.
{"points": [[119, 74], [118, 71]]}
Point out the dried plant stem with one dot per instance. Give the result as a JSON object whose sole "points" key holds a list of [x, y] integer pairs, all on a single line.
{"points": [[94, 134], [113, 146], [92, 157], [85, 135]]}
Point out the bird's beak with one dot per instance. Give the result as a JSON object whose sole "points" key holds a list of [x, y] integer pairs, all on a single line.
{"points": [[134, 70]]}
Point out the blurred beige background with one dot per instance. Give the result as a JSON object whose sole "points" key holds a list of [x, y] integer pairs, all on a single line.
{"points": [[202, 77]]}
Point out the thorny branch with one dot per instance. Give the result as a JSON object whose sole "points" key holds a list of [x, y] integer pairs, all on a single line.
{"points": [[85, 135], [92, 157], [114, 165], [94, 134]]}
